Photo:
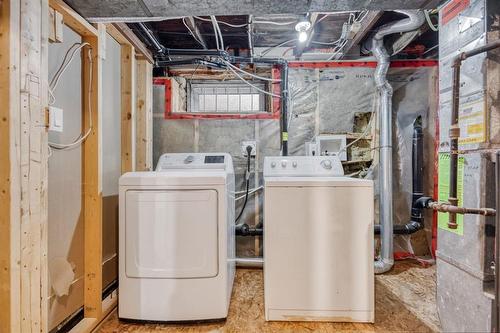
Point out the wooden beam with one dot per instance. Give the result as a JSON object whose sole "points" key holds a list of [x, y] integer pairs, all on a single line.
{"points": [[92, 192], [366, 25], [88, 325], [9, 165], [131, 37], [144, 124], [73, 20], [127, 108]]}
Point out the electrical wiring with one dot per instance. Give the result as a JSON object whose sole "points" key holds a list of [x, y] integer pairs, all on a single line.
{"points": [[64, 65], [249, 192], [83, 136], [429, 21], [191, 32], [248, 73], [251, 85], [215, 32], [217, 27], [266, 51], [340, 47], [222, 22], [275, 23]]}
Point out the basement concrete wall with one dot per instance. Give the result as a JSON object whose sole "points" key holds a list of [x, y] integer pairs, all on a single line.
{"points": [[322, 101], [65, 234]]}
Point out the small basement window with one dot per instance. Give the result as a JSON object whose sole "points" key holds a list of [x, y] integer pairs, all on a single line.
{"points": [[233, 97]]}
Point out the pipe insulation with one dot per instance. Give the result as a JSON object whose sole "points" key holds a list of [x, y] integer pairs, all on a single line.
{"points": [[414, 20]]}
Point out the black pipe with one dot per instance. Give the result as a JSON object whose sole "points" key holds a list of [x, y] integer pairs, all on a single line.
{"points": [[247, 183], [284, 108], [417, 217], [245, 230], [454, 133]]}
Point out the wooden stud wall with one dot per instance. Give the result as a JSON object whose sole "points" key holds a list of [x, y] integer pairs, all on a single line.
{"points": [[128, 108], [24, 36], [9, 164], [23, 167], [144, 123]]}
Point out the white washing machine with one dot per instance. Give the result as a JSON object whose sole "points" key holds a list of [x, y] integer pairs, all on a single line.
{"points": [[318, 241], [176, 239]]}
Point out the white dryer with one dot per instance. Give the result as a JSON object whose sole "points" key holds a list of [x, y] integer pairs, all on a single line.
{"points": [[176, 239], [318, 241]]}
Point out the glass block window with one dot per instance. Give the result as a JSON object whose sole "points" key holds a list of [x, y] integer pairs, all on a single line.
{"points": [[225, 97]]}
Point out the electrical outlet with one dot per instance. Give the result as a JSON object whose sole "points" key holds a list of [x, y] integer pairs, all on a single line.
{"points": [[244, 146], [55, 119]]}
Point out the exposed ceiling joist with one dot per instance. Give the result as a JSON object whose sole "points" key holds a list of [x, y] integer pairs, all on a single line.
{"points": [[366, 25]]}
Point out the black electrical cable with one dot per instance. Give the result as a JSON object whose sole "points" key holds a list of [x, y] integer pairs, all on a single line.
{"points": [[247, 176]]}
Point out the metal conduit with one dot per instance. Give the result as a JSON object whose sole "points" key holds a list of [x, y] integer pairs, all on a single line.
{"points": [[415, 19]]}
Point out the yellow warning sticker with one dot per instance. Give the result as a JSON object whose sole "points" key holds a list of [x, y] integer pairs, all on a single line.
{"points": [[472, 120], [285, 136]]}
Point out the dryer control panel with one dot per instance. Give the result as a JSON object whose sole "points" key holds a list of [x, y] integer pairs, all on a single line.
{"points": [[302, 166], [193, 161]]}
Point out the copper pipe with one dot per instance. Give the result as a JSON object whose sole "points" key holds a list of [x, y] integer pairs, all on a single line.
{"points": [[445, 207], [454, 133]]}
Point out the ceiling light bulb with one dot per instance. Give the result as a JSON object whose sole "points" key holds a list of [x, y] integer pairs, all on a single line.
{"points": [[302, 36]]}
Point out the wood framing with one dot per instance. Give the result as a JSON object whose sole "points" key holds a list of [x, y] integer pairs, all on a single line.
{"points": [[128, 108], [132, 39], [144, 117], [23, 167], [9, 178], [91, 157]]}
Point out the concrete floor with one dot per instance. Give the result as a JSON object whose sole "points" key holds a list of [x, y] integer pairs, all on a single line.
{"points": [[404, 302]]}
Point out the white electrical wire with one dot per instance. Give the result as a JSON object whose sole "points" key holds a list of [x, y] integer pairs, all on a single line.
{"points": [[275, 23], [222, 22], [266, 51], [249, 192], [64, 65], [220, 33], [191, 32], [340, 47], [83, 136], [251, 85], [248, 73], [429, 21], [216, 32]]}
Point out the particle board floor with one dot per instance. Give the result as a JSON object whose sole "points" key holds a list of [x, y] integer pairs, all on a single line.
{"points": [[404, 302]]}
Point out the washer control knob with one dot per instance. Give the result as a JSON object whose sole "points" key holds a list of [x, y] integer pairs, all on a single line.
{"points": [[283, 163], [327, 164], [189, 159], [273, 164], [294, 164]]}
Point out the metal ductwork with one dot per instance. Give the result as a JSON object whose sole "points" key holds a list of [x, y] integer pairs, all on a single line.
{"points": [[414, 20]]}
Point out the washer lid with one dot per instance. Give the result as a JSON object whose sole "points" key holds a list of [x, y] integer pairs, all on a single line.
{"points": [[317, 182]]}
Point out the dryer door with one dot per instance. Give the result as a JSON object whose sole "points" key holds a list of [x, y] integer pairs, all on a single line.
{"points": [[171, 234]]}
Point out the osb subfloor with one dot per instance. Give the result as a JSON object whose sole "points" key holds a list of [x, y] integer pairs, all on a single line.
{"points": [[404, 302]]}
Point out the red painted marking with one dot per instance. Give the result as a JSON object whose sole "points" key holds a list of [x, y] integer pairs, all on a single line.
{"points": [[451, 10], [368, 64]]}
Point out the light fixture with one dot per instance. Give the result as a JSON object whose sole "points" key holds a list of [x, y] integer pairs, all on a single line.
{"points": [[302, 27]]}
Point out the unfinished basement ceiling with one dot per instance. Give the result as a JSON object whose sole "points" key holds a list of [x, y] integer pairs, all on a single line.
{"points": [[149, 9]]}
